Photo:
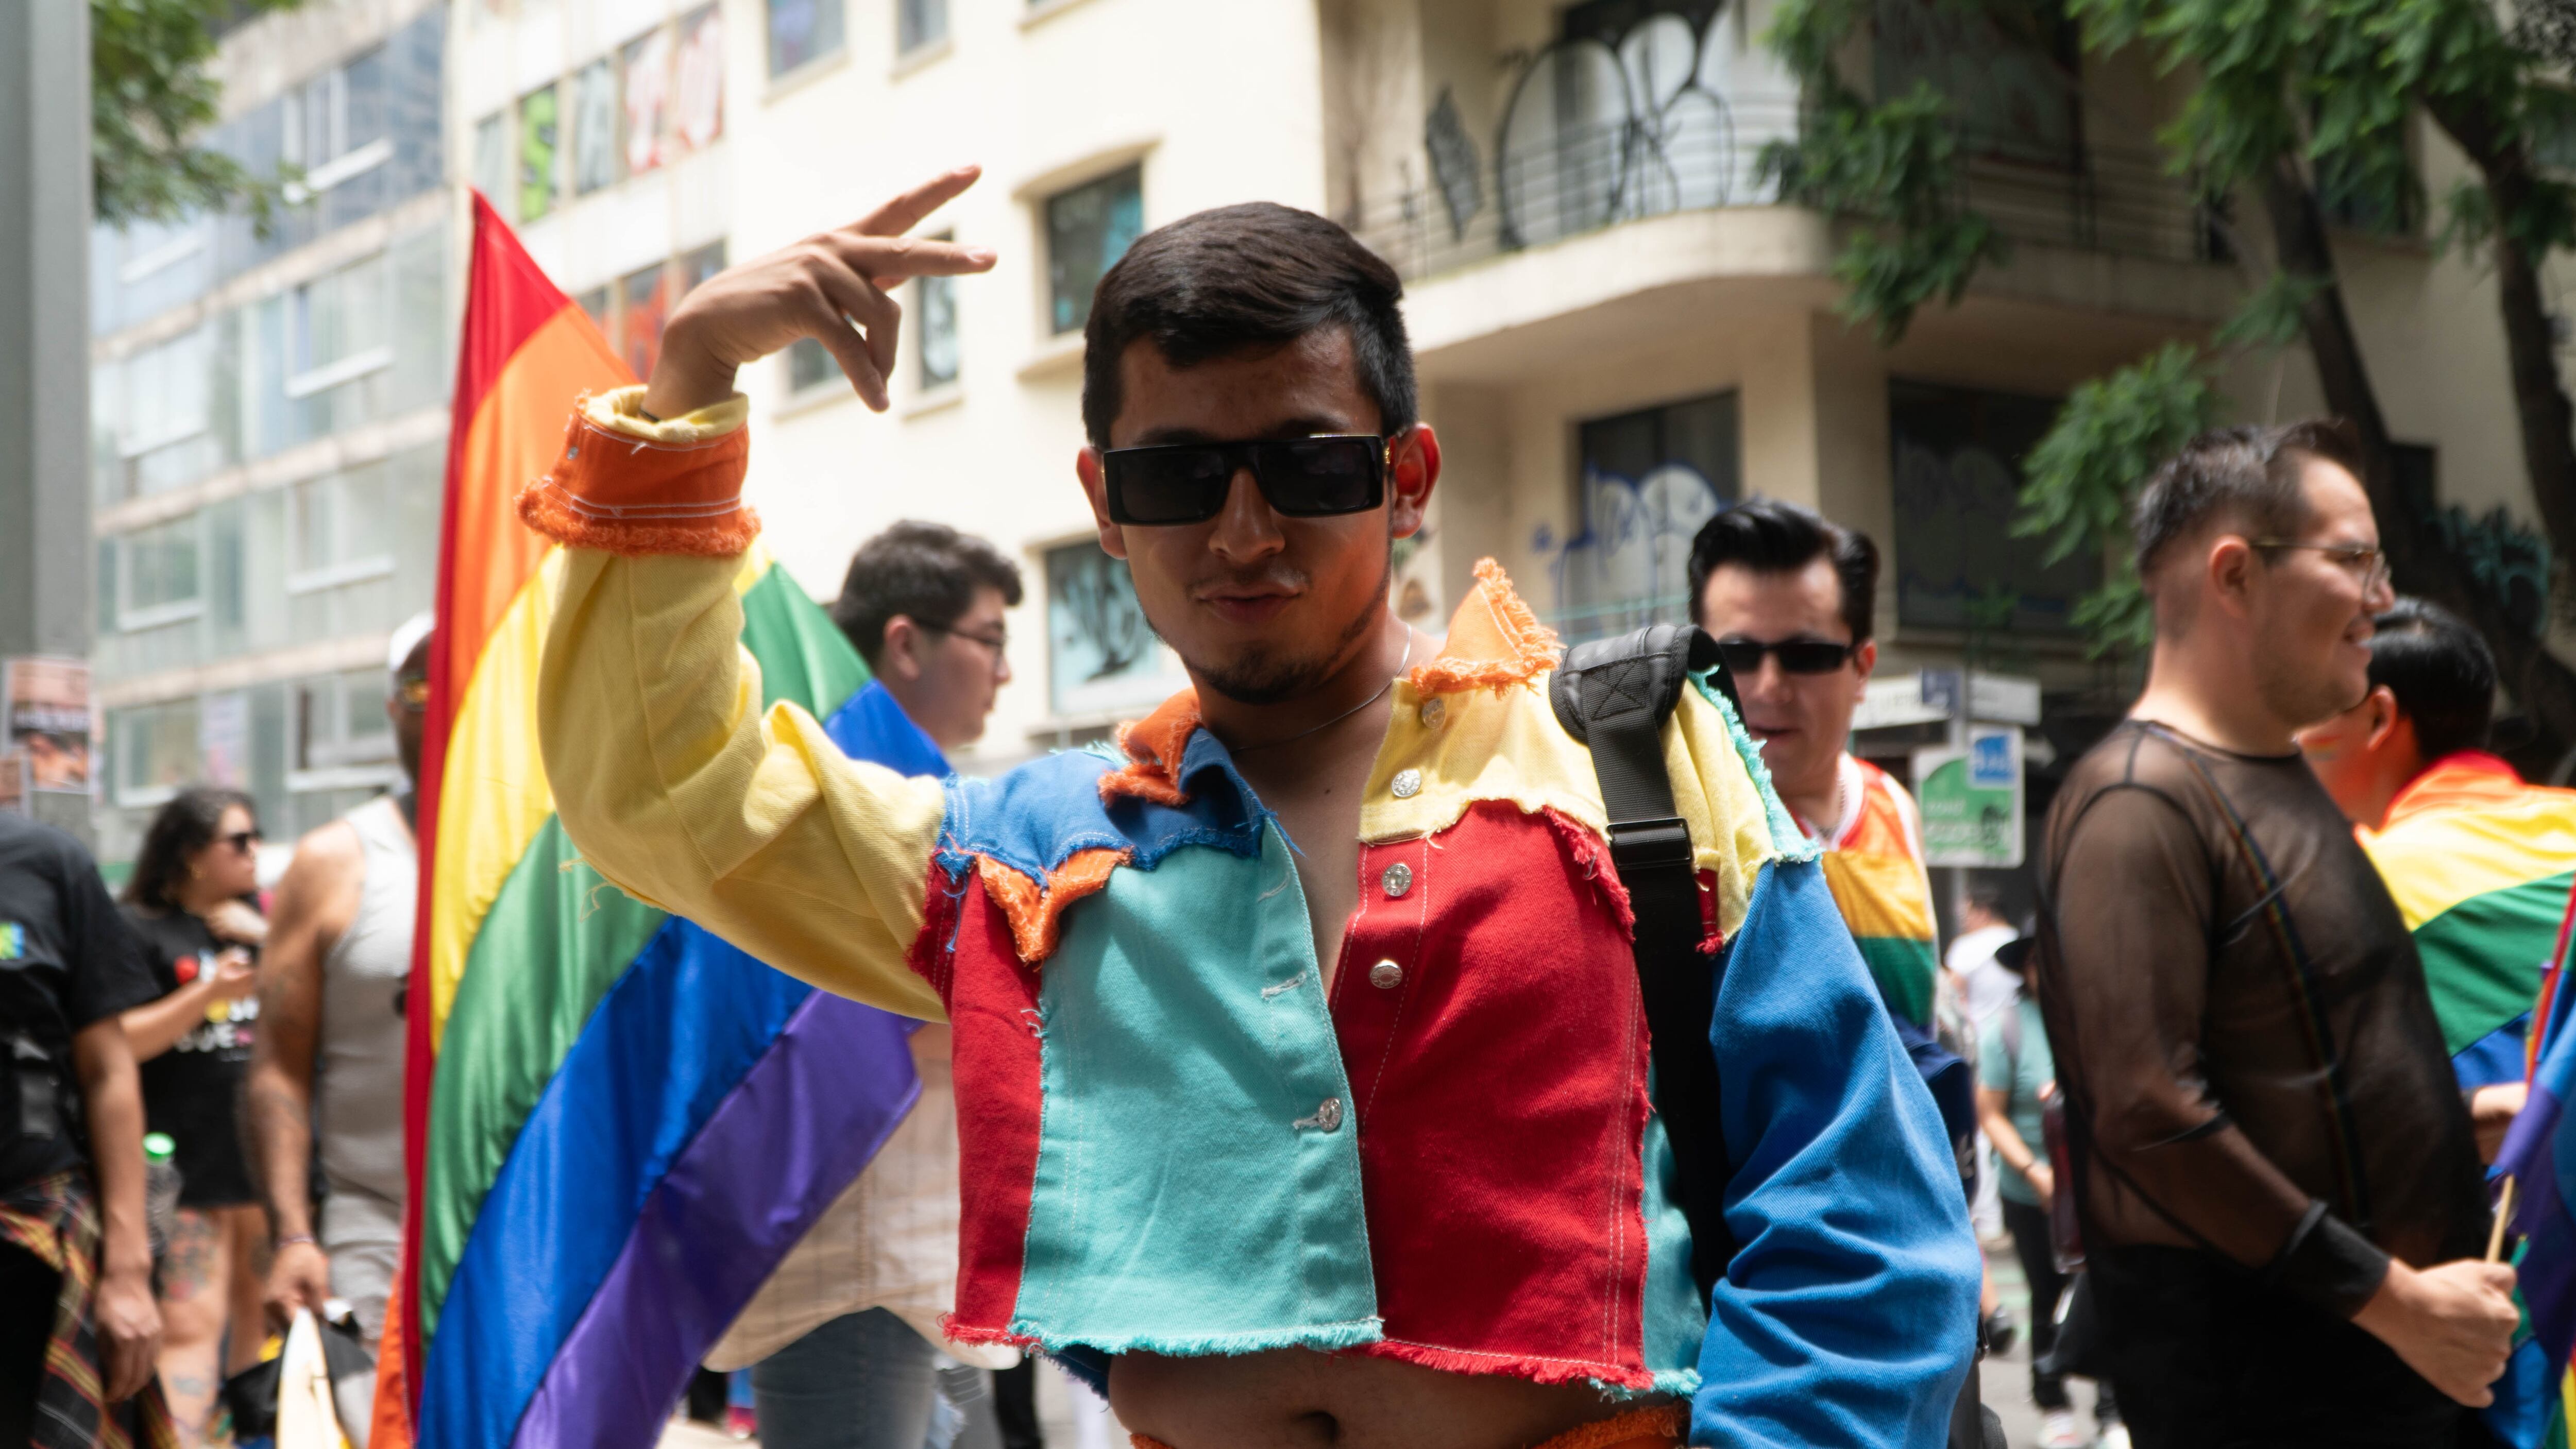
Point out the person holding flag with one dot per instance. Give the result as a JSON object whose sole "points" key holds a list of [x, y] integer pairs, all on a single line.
{"points": [[2479, 862]]}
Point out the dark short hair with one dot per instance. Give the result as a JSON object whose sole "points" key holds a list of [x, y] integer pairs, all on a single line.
{"points": [[2442, 673], [184, 825], [1240, 279], [1772, 537], [927, 572], [2249, 472]]}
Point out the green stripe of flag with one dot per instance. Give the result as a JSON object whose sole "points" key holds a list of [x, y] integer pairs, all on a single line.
{"points": [[1903, 968], [2483, 956], [557, 938]]}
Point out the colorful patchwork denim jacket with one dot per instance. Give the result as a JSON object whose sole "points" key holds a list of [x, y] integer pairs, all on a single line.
{"points": [[1174, 1138]]}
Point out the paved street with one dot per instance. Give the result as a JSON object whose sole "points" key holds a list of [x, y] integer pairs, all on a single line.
{"points": [[1058, 1418], [2005, 1377]]}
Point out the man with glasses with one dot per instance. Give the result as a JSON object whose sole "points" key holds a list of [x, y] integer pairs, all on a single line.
{"points": [[1299, 1045], [1790, 598], [328, 1063], [843, 1340], [2281, 1199]]}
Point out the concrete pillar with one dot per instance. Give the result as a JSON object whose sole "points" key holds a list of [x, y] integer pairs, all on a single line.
{"points": [[45, 604]]}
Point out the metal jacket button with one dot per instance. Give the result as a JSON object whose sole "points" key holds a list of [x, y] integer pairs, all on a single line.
{"points": [[1327, 1118], [1407, 784], [1433, 712], [1397, 880], [1386, 976]]}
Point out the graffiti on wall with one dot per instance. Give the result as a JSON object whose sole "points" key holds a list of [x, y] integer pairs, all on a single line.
{"points": [[1629, 565], [1639, 110]]}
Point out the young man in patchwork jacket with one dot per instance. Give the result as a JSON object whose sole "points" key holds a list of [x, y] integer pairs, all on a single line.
{"points": [[1301, 1064]]}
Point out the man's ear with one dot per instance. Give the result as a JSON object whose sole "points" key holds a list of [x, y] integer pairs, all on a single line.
{"points": [[896, 656], [1864, 659], [1095, 487], [2384, 719], [1413, 471], [2230, 564]]}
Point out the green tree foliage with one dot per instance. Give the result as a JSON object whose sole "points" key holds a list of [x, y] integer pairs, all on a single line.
{"points": [[150, 97], [2296, 110]]}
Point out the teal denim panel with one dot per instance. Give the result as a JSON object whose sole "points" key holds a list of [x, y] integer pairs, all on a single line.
{"points": [[1188, 1199], [1676, 1319]]}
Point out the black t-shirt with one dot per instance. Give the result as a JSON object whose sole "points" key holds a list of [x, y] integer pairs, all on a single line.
{"points": [[66, 961], [193, 1090]]}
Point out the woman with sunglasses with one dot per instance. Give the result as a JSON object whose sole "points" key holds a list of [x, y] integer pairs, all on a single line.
{"points": [[190, 901]]}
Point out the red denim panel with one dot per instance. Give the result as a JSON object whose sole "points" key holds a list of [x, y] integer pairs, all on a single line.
{"points": [[1500, 1096], [993, 1016]]}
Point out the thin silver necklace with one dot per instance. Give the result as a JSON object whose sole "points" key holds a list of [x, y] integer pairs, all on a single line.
{"points": [[1345, 714]]}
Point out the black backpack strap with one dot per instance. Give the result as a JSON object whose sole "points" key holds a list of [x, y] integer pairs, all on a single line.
{"points": [[1614, 695]]}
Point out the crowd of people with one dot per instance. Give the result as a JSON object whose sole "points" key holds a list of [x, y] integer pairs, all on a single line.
{"points": [[1278, 1060]]}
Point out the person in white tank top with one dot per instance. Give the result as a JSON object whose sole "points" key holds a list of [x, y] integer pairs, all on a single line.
{"points": [[329, 1064]]}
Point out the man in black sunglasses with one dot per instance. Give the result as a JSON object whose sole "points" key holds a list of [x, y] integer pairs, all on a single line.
{"points": [[1298, 1041]]}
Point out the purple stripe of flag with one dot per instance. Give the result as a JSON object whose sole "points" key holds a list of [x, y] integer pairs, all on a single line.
{"points": [[782, 1146]]}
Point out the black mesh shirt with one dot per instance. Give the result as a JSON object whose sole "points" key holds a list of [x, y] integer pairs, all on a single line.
{"points": [[2252, 1066]]}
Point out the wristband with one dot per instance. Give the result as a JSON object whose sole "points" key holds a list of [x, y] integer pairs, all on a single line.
{"points": [[291, 1239]]}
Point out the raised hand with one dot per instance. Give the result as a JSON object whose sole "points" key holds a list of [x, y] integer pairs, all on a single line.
{"points": [[831, 287]]}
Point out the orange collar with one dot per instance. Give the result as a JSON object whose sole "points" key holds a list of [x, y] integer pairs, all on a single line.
{"points": [[1494, 641]]}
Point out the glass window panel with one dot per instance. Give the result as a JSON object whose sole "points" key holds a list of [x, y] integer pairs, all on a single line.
{"points": [[802, 31], [362, 709], [536, 153], [156, 750], [648, 101], [1088, 229], [936, 300], [165, 394], [1101, 654], [594, 127], [647, 297], [1648, 480], [918, 23], [697, 83], [1958, 465], [161, 566], [492, 163], [699, 266], [809, 364]]}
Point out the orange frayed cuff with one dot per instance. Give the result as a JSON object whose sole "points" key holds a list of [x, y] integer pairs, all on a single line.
{"points": [[628, 495]]}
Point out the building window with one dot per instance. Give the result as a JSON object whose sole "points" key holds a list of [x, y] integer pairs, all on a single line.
{"points": [[919, 23], [809, 365], [158, 577], [339, 328], [1088, 229], [802, 32], [595, 303], [1102, 657], [594, 127], [166, 394], [648, 101], [339, 529], [697, 83], [1958, 465], [647, 297], [699, 267], [935, 299], [537, 138], [492, 163], [155, 748], [1648, 480], [340, 722]]}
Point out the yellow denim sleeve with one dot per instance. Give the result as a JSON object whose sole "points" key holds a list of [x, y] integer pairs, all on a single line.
{"points": [[677, 787]]}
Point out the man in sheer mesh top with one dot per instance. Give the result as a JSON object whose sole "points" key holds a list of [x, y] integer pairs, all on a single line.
{"points": [[2279, 1186]]}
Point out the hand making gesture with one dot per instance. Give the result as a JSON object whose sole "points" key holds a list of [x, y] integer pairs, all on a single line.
{"points": [[832, 286]]}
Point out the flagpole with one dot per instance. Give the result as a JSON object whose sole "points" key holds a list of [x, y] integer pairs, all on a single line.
{"points": [[2504, 1215]]}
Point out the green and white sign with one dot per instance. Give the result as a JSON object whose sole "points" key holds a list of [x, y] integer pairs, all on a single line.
{"points": [[1971, 800]]}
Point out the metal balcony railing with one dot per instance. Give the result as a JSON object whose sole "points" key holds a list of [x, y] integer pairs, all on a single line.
{"points": [[1549, 183]]}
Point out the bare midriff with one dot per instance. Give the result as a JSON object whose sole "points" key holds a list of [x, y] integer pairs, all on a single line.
{"points": [[1301, 1399]]}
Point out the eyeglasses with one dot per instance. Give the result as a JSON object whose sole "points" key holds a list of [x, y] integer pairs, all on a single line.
{"points": [[1302, 477], [2369, 561], [999, 641], [1796, 656], [413, 692], [241, 841]]}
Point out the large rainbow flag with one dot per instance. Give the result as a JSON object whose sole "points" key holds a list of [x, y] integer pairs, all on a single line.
{"points": [[616, 1125]]}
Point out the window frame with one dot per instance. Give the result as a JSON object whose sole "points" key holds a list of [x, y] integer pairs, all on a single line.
{"points": [[133, 618], [1113, 170]]}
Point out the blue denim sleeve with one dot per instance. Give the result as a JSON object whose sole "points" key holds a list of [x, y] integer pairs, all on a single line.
{"points": [[1848, 1314]]}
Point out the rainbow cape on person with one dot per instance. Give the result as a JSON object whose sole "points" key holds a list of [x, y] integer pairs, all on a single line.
{"points": [[616, 1125]]}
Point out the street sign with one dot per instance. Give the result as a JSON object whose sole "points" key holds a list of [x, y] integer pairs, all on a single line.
{"points": [[1971, 800], [1924, 696]]}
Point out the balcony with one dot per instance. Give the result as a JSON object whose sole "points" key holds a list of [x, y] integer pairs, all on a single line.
{"points": [[1549, 180]]}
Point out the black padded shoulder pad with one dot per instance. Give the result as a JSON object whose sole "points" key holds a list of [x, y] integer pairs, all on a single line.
{"points": [[1638, 672]]}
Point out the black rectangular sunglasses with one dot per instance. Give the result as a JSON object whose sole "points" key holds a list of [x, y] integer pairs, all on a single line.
{"points": [[1302, 477], [1797, 656]]}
